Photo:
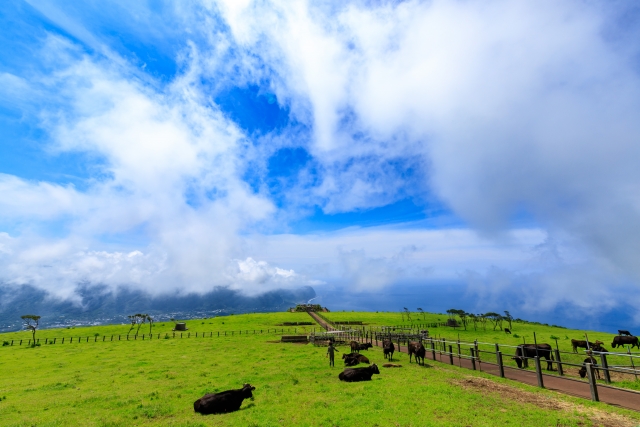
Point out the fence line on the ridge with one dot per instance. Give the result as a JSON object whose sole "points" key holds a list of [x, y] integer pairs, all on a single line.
{"points": [[148, 337]]}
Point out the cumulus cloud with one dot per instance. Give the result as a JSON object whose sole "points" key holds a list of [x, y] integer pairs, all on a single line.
{"points": [[503, 113], [515, 108]]}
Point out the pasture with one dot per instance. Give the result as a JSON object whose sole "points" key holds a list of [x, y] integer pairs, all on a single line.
{"points": [[155, 382]]}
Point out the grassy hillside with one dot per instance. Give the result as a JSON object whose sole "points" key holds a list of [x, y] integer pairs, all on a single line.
{"points": [[155, 383]]}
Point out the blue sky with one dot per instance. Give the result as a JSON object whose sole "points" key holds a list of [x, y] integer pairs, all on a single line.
{"points": [[485, 148]]}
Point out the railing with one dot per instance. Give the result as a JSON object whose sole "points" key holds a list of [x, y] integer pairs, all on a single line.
{"points": [[625, 366]]}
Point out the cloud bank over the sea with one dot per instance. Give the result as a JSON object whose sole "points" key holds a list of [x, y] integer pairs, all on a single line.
{"points": [[517, 121]]}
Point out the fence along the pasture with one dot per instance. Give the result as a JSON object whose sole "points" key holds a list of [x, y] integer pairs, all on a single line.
{"points": [[476, 350], [135, 337]]}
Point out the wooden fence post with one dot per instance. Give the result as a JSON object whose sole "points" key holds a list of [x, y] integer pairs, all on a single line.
{"points": [[592, 383], [539, 372], [560, 368], [473, 358], [450, 355], [433, 350], [605, 368], [500, 364]]}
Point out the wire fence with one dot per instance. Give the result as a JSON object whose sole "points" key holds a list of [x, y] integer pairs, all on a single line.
{"points": [[143, 337]]}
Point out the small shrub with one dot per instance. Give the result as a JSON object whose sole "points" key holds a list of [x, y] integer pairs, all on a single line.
{"points": [[553, 337], [5, 343], [96, 334], [516, 336], [166, 336]]}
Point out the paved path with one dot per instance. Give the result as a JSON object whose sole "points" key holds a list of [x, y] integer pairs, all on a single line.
{"points": [[628, 399], [320, 321]]}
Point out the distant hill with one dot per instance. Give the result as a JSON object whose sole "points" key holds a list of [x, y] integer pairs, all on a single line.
{"points": [[100, 305]]}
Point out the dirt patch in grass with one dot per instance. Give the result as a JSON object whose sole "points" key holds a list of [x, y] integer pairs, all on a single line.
{"points": [[598, 417]]}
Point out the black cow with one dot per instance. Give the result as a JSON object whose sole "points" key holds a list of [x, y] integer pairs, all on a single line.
{"points": [[620, 341], [356, 346], [358, 374], [388, 348], [226, 401], [529, 350], [583, 344], [507, 330], [599, 348], [417, 349], [583, 371], [623, 332], [352, 359]]}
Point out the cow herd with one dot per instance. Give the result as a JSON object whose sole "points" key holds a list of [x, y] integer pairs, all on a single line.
{"points": [[230, 400]]}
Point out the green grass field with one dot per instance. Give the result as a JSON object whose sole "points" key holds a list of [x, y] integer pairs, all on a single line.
{"points": [[156, 382]]}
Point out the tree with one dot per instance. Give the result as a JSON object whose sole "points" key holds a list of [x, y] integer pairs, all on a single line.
{"points": [[407, 313], [151, 320], [483, 320], [137, 319], [421, 311], [463, 317], [31, 322], [474, 319], [496, 319], [508, 317]]}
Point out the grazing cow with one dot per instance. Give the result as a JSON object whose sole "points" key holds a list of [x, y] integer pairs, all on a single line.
{"points": [[417, 349], [583, 371], [599, 348], [583, 344], [226, 401], [623, 332], [352, 359], [620, 341], [388, 348], [529, 350], [507, 330], [358, 374]]}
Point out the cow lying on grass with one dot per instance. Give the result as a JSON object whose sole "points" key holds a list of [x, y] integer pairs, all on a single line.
{"points": [[226, 401], [352, 359], [358, 374], [356, 346]]}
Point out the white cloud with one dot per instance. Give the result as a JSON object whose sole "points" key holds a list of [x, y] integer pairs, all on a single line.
{"points": [[501, 109]]}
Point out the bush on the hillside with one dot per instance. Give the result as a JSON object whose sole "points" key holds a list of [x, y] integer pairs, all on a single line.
{"points": [[553, 337], [96, 334], [5, 343]]}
